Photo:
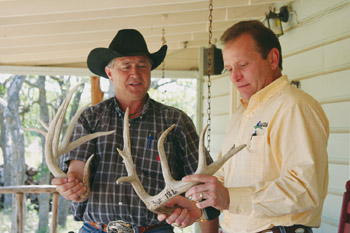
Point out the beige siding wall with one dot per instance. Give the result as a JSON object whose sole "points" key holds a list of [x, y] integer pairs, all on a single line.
{"points": [[220, 110], [316, 51]]}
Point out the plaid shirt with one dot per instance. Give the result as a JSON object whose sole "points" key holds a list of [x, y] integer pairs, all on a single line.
{"points": [[109, 201]]}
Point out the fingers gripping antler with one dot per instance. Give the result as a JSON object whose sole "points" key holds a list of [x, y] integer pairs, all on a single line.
{"points": [[172, 187], [53, 149]]}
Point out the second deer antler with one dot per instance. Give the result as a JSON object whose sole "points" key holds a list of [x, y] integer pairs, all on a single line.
{"points": [[172, 186]]}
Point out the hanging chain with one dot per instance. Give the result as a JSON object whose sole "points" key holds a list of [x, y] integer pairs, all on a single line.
{"points": [[209, 70], [163, 43], [163, 64]]}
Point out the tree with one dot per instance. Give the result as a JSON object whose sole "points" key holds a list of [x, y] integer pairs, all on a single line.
{"points": [[12, 141], [44, 178]]}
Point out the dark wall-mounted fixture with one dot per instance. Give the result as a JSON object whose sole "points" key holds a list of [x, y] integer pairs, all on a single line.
{"points": [[274, 20], [296, 84]]}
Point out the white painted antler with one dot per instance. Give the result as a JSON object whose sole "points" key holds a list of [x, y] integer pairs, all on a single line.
{"points": [[172, 186], [52, 147]]}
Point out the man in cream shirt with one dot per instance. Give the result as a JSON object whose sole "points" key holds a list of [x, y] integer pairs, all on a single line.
{"points": [[278, 183]]}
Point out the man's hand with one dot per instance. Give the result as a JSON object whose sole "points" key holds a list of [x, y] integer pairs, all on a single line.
{"points": [[70, 187], [184, 216], [210, 189]]}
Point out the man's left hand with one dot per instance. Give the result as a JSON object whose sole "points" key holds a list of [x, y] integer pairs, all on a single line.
{"points": [[213, 192]]}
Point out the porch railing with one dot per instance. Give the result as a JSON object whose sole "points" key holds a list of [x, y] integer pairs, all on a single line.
{"points": [[19, 192]]}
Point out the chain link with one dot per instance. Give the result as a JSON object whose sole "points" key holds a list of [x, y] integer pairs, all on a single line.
{"points": [[208, 71], [163, 64], [163, 43]]}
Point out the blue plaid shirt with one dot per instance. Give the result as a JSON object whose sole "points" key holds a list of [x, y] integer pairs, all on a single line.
{"points": [[109, 201]]}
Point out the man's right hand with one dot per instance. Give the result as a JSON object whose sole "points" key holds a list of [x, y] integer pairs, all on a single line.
{"points": [[185, 215], [70, 187]]}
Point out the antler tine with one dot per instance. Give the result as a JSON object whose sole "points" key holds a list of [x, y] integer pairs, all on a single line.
{"points": [[51, 158], [212, 168], [163, 159], [44, 124], [53, 134], [129, 164], [56, 124], [42, 132], [66, 146], [202, 159], [126, 133], [86, 177], [72, 122]]}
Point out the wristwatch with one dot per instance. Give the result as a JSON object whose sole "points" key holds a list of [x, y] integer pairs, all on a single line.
{"points": [[202, 218], [208, 214]]}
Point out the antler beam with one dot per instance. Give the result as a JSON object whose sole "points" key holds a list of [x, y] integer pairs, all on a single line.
{"points": [[172, 186], [53, 148]]}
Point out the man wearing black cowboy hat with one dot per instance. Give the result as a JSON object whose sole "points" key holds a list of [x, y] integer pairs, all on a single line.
{"points": [[128, 64]]}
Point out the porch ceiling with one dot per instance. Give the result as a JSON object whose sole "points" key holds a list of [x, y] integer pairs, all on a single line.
{"points": [[62, 33]]}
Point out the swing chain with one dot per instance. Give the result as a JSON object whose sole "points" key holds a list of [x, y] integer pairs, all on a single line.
{"points": [[208, 71], [163, 43]]}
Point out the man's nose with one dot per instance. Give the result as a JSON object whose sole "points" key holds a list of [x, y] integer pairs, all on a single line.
{"points": [[134, 71], [235, 75]]}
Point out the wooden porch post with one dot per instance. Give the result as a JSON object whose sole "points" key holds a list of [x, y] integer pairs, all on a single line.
{"points": [[96, 93], [19, 210], [54, 212]]}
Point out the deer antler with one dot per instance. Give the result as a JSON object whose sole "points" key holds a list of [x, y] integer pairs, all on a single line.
{"points": [[172, 187], [52, 148]]}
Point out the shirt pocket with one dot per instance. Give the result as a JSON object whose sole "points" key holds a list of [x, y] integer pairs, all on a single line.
{"points": [[152, 155], [250, 165]]}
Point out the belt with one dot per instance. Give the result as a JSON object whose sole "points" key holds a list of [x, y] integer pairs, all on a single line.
{"points": [[142, 229], [290, 229]]}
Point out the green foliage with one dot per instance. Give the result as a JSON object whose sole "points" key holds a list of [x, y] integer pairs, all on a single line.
{"points": [[2, 90], [180, 93], [42, 171]]}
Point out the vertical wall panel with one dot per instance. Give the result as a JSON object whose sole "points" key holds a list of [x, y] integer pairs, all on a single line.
{"points": [[316, 52], [220, 110]]}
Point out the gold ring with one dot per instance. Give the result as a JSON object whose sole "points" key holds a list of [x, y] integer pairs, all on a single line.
{"points": [[175, 225], [201, 196]]}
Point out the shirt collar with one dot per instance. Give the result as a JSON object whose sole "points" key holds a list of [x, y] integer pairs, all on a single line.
{"points": [[143, 111], [267, 92]]}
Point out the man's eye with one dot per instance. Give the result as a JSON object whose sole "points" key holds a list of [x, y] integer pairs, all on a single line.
{"points": [[241, 65]]}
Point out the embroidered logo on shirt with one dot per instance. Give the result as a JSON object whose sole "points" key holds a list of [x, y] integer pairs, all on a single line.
{"points": [[260, 125]]}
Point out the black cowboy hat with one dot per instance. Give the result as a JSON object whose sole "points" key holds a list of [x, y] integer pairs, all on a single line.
{"points": [[127, 42]]}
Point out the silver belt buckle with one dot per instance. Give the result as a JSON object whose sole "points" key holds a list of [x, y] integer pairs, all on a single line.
{"points": [[120, 227], [267, 231]]}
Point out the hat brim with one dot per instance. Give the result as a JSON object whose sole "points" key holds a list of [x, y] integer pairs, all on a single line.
{"points": [[99, 58]]}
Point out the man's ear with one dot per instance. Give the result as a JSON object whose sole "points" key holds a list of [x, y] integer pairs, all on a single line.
{"points": [[109, 73], [274, 57]]}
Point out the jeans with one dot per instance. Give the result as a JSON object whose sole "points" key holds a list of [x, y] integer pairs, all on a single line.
{"points": [[86, 228]]}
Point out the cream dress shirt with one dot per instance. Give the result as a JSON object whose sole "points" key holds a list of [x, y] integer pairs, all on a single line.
{"points": [[281, 177]]}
